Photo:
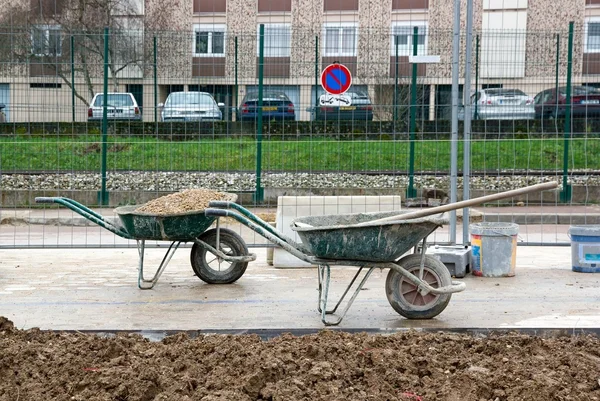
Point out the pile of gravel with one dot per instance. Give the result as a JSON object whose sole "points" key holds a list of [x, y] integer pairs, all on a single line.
{"points": [[231, 182]]}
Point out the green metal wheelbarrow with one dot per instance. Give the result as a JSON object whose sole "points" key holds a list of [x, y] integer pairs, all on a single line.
{"points": [[418, 286], [218, 256]]}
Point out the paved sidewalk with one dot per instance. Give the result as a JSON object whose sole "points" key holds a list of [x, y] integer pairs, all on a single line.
{"points": [[96, 289]]}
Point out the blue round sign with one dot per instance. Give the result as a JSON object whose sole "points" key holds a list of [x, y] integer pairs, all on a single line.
{"points": [[336, 79]]}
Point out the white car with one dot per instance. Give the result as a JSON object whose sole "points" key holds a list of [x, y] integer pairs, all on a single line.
{"points": [[500, 104], [191, 106], [120, 106]]}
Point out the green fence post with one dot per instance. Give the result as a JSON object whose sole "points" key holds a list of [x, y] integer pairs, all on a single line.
{"points": [[411, 191], [103, 194], [557, 61], [396, 84], [565, 194], [155, 74], [316, 77], [235, 66], [73, 77], [259, 194], [476, 114]]}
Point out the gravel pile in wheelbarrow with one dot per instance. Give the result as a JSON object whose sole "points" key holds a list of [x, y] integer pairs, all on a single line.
{"points": [[39, 365], [185, 201]]}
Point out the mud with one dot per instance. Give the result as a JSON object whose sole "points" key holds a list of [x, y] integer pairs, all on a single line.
{"points": [[41, 365]]}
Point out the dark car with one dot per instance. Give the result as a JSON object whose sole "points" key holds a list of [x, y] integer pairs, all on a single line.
{"points": [[276, 106], [552, 103], [352, 105]]}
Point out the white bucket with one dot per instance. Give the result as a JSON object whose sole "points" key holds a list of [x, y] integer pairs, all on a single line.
{"points": [[494, 249]]}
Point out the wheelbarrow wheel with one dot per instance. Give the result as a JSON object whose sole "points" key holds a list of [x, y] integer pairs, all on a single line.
{"points": [[405, 297], [212, 269]]}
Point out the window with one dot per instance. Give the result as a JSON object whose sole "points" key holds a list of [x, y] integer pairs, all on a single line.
{"points": [[340, 39], [402, 33], [592, 35], [209, 40], [46, 40], [277, 40], [503, 43]]}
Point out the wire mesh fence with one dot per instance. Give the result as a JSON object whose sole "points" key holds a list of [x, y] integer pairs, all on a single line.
{"points": [[120, 116]]}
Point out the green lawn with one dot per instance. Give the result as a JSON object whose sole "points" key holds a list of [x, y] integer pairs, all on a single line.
{"points": [[84, 153]]}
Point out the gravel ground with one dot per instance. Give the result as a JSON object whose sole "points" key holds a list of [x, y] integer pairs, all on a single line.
{"points": [[177, 181]]}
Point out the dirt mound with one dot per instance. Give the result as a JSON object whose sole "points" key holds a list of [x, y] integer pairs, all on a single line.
{"points": [[39, 365]]}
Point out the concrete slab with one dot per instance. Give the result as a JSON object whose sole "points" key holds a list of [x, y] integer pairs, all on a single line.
{"points": [[95, 289]]}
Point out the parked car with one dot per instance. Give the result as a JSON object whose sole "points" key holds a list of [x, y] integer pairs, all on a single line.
{"points": [[276, 106], [352, 105], [500, 104], [551, 103], [191, 106], [120, 106]]}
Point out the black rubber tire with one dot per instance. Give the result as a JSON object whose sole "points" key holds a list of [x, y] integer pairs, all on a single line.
{"points": [[212, 270], [399, 290]]}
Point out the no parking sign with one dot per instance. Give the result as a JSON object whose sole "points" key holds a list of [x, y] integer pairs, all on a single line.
{"points": [[336, 79]]}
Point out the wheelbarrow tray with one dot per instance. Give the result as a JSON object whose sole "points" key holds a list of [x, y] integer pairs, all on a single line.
{"points": [[171, 227], [334, 237]]}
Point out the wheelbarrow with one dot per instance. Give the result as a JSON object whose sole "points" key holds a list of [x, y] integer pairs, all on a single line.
{"points": [[418, 286], [218, 256]]}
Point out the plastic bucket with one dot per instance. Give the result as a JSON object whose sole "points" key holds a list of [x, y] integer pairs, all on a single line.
{"points": [[494, 249], [585, 248]]}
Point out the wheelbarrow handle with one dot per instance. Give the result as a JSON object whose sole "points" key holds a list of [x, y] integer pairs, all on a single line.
{"points": [[86, 212], [45, 199]]}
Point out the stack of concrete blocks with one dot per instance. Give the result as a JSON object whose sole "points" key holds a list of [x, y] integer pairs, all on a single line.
{"points": [[291, 207]]}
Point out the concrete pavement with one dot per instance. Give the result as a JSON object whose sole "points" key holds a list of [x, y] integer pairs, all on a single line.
{"points": [[96, 289]]}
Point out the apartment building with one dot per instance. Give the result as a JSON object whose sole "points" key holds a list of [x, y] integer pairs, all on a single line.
{"points": [[213, 46]]}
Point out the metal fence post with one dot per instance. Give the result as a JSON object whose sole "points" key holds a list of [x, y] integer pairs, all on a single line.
{"points": [[316, 76], [557, 61], [467, 121], [155, 72], [235, 67], [476, 113], [73, 77], [565, 194], [396, 82], [103, 194], [454, 123], [411, 191], [259, 194]]}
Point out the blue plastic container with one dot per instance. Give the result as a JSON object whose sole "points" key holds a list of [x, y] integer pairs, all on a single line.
{"points": [[585, 248]]}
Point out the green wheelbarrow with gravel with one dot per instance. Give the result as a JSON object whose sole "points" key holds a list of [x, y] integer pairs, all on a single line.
{"points": [[218, 256]]}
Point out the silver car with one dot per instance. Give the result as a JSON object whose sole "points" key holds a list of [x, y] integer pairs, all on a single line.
{"points": [[120, 106], [500, 104], [191, 106]]}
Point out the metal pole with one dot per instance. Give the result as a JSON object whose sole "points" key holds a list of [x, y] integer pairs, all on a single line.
{"points": [[565, 194], [155, 83], [103, 193], [316, 77], [396, 83], [454, 126], [73, 77], [467, 124], [476, 113], [259, 195], [410, 191], [235, 66], [557, 61]]}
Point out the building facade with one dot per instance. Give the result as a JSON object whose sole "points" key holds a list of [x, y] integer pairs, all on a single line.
{"points": [[213, 46]]}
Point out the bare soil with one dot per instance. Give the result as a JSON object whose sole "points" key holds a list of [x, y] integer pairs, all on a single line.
{"points": [[417, 366]]}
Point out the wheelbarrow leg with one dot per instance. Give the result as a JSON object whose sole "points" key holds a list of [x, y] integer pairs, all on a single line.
{"points": [[146, 284], [324, 272]]}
